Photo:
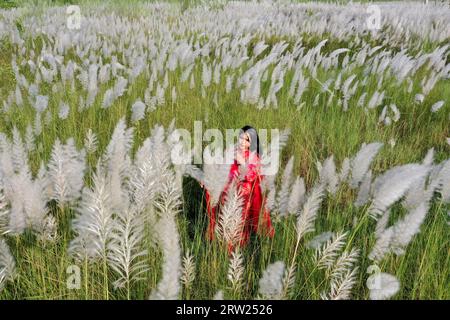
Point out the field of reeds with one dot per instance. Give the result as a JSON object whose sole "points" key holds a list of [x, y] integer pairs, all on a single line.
{"points": [[93, 205]]}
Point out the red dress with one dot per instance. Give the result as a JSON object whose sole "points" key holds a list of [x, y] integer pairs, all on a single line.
{"points": [[253, 201]]}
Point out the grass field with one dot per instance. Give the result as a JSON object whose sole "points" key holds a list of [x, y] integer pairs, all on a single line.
{"points": [[198, 63]]}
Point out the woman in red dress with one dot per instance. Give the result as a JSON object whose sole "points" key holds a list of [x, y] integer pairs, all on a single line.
{"points": [[246, 173]]}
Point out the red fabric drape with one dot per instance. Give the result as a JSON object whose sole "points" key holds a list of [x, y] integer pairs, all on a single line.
{"points": [[249, 183]]}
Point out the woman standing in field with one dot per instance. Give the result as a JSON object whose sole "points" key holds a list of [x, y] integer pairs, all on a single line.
{"points": [[246, 173]]}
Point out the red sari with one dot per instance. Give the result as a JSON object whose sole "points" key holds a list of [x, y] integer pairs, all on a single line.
{"points": [[253, 201]]}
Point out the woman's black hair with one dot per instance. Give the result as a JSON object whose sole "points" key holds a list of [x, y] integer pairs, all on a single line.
{"points": [[254, 138]]}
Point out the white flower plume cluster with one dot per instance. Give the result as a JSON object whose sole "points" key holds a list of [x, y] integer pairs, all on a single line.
{"points": [[7, 264], [106, 69]]}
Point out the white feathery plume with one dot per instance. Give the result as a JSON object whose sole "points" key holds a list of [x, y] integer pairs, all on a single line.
{"points": [[120, 87], [90, 141], [236, 270], [19, 155], [49, 232], [152, 162], [362, 160], [270, 200], [297, 196], [93, 224], [150, 101], [218, 295], [81, 104], [382, 116], [27, 209], [83, 77], [328, 175], [271, 282], [41, 103], [441, 182], [104, 73], [230, 222], [37, 124], [168, 206], [343, 276], [325, 256], [4, 212], [215, 178], [206, 75], [116, 161], [18, 96], [229, 83], [419, 98], [143, 185], [438, 105], [17, 216], [418, 192], [216, 74], [344, 263], [376, 100], [362, 99], [66, 171], [341, 287], [393, 184], [429, 158], [48, 117], [188, 274], [29, 139], [108, 98], [408, 227], [289, 280], [283, 194], [138, 111], [396, 112], [303, 84], [160, 150], [397, 237], [63, 110], [125, 248], [160, 98], [382, 224], [34, 203], [382, 286], [382, 245], [345, 170], [7, 264], [174, 95], [186, 73], [259, 48], [92, 85], [320, 239], [364, 190], [307, 216]]}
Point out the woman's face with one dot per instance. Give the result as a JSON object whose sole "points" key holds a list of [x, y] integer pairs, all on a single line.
{"points": [[244, 141]]}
